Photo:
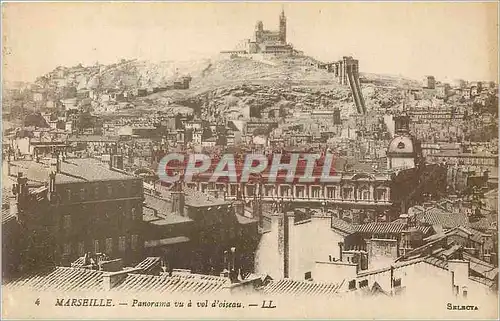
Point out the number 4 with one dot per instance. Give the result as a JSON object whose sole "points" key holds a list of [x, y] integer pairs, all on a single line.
{"points": [[37, 302]]}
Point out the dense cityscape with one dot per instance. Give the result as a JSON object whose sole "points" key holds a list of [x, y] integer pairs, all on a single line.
{"points": [[413, 190]]}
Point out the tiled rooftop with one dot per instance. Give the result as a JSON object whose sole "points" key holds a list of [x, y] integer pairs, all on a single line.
{"points": [[488, 283], [199, 199], [245, 219], [7, 216], [474, 235], [343, 226], [148, 264], [352, 164], [436, 262], [486, 269], [438, 216], [167, 241], [61, 279], [381, 228], [164, 215], [396, 265], [193, 197], [291, 287], [93, 138], [170, 284], [72, 170]]}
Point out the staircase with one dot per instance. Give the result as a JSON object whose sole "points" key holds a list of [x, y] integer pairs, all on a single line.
{"points": [[353, 79]]}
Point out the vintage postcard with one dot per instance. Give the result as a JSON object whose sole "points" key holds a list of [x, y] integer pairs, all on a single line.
{"points": [[249, 160]]}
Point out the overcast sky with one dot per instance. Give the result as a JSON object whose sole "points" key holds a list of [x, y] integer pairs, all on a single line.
{"points": [[452, 40]]}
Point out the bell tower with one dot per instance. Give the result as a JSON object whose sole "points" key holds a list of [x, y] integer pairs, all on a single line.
{"points": [[283, 27], [259, 28]]}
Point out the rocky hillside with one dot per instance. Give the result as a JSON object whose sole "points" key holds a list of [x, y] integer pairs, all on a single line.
{"points": [[243, 87], [237, 87]]}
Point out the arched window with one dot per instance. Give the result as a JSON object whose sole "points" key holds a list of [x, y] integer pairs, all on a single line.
{"points": [[401, 145], [364, 193]]}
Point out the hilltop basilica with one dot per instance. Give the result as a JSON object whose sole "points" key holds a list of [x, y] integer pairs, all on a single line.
{"points": [[267, 41]]}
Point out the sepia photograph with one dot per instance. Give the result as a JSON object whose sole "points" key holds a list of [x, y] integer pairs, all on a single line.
{"points": [[249, 160]]}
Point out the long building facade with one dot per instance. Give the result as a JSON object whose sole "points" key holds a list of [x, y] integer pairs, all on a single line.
{"points": [[67, 208]]}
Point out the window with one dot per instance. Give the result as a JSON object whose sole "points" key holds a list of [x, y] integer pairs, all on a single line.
{"points": [[364, 194], [397, 282], [68, 194], [464, 292], [286, 191], [269, 190], [401, 145], [330, 192], [308, 276], [96, 246], [352, 285], [233, 189], [96, 192], [136, 187], [82, 194], [133, 214], [299, 191], [66, 222], [250, 190], [110, 190], [67, 249], [81, 248], [122, 245], [315, 192], [134, 243], [380, 194], [109, 245], [363, 283], [347, 193]]}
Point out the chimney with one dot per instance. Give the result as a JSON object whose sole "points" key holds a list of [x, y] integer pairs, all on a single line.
{"points": [[111, 265], [55, 164], [225, 272], [213, 192], [8, 166], [52, 185], [404, 218], [116, 161], [284, 220], [341, 249], [356, 217], [257, 212], [239, 207], [233, 271], [21, 188], [460, 269], [178, 202], [112, 279], [13, 206], [111, 154], [288, 239]]}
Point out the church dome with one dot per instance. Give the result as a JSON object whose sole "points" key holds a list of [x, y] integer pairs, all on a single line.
{"points": [[402, 145]]}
